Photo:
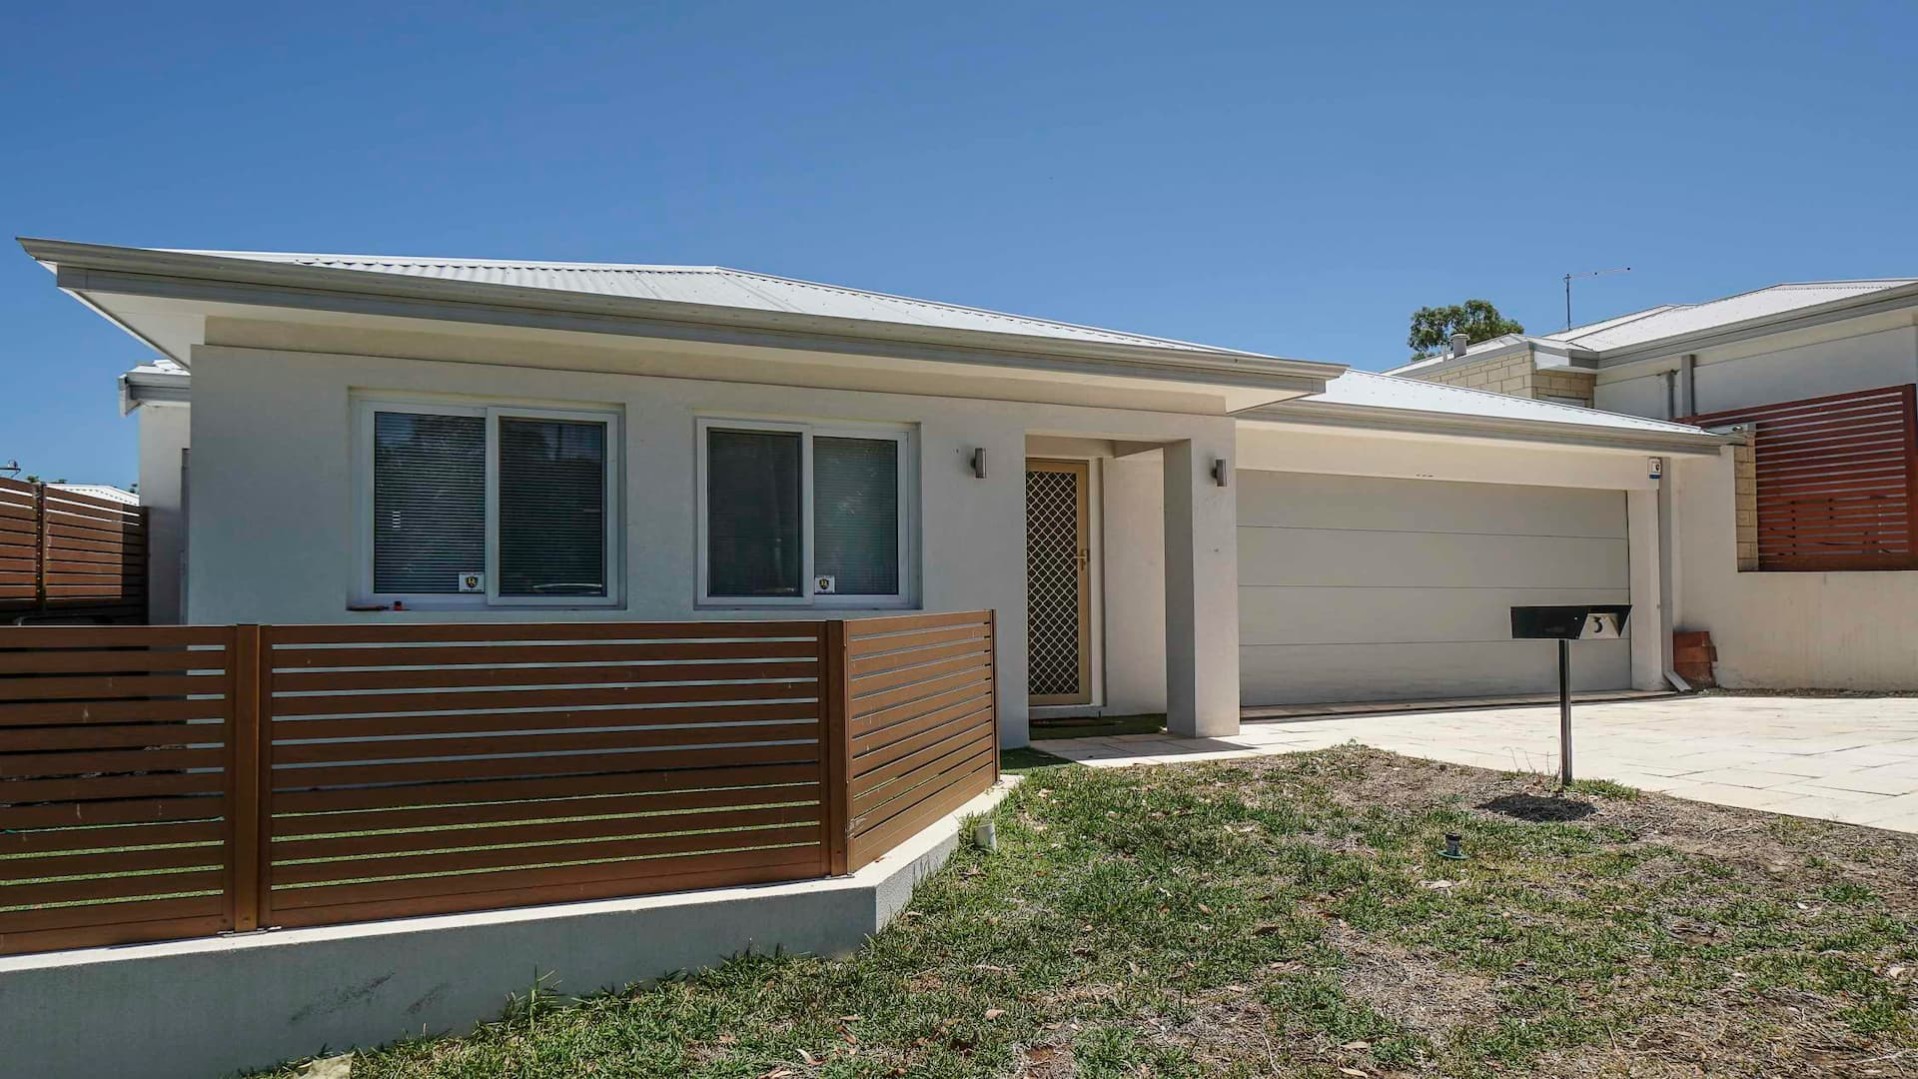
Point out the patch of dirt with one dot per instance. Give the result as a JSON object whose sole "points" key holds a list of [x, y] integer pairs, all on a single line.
{"points": [[1535, 808], [1228, 1028], [1794, 850], [1410, 989]]}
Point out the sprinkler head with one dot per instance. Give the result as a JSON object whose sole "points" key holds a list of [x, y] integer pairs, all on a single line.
{"points": [[1453, 850]]}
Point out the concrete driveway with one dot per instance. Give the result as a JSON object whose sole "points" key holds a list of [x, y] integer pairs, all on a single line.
{"points": [[1845, 759]]}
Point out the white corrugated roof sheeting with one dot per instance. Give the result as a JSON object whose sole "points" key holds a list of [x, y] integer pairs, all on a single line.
{"points": [[1366, 390], [715, 286], [1671, 321]]}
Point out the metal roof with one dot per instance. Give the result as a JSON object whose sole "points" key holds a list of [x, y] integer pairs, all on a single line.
{"points": [[1363, 389], [716, 286], [1676, 320], [100, 491], [1673, 320]]}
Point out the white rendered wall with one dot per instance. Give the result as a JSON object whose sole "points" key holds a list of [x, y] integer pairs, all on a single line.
{"points": [[1786, 630], [272, 507], [1865, 355], [1134, 580], [163, 439], [1782, 630]]}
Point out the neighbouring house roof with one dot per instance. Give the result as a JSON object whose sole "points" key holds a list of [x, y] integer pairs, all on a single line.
{"points": [[99, 490], [1365, 399], [1676, 320], [1673, 321]]}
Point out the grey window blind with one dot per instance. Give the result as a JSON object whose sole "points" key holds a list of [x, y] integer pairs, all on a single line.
{"points": [[856, 514], [552, 508], [429, 501], [753, 532]]}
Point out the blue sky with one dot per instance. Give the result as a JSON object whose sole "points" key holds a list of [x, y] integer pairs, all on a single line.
{"points": [[1288, 178]]}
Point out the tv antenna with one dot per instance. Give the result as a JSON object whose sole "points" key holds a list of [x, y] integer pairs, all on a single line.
{"points": [[11, 468], [1587, 273]]}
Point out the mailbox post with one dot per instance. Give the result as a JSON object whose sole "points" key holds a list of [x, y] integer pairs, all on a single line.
{"points": [[1566, 624]]}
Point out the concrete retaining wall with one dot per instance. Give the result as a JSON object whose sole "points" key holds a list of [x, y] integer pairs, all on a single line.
{"points": [[203, 1008]]}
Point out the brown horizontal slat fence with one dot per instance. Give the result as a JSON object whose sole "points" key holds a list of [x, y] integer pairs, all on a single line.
{"points": [[160, 782], [70, 554], [1835, 479], [116, 780], [921, 728], [424, 769]]}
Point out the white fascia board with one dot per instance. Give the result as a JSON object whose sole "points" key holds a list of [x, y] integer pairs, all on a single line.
{"points": [[1552, 356], [1444, 425], [83, 268]]}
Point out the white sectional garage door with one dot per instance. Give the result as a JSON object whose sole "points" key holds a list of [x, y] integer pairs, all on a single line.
{"points": [[1360, 589]]}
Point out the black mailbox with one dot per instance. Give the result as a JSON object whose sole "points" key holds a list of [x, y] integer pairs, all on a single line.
{"points": [[1593, 622], [1565, 624]]}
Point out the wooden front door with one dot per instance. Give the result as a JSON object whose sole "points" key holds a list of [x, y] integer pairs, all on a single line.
{"points": [[1058, 583]]}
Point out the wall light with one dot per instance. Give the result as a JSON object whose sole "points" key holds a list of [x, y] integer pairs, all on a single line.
{"points": [[979, 462], [1219, 471]]}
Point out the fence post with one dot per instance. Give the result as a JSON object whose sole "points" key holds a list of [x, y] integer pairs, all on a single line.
{"points": [[40, 547], [244, 780], [992, 662], [835, 744]]}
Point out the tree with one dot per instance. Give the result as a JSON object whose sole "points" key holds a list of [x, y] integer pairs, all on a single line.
{"points": [[1478, 320]]}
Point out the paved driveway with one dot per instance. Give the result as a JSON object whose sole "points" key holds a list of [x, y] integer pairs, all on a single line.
{"points": [[1843, 759]]}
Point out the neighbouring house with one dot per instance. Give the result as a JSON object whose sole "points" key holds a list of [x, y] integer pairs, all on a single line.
{"points": [[1159, 525], [1795, 554]]}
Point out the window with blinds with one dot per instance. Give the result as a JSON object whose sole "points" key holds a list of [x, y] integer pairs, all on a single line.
{"points": [[429, 501], [754, 545], [474, 505], [856, 514], [794, 513], [552, 508]]}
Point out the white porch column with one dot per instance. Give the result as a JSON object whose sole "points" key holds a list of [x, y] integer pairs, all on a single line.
{"points": [[1650, 630], [1201, 588]]}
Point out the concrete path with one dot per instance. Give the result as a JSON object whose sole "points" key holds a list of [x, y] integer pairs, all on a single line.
{"points": [[1844, 759]]}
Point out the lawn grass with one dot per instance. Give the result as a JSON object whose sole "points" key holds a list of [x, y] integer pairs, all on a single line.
{"points": [[1291, 916]]}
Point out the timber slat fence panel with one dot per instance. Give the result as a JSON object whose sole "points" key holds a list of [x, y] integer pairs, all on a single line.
{"points": [[70, 554], [1836, 477], [418, 769], [114, 808], [922, 729], [160, 782]]}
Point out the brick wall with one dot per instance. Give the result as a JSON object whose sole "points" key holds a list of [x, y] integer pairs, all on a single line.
{"points": [[1517, 376], [1745, 502], [1506, 374], [1567, 385]]}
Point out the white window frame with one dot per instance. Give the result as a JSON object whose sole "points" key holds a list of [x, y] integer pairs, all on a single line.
{"points": [[364, 408], [905, 435]]}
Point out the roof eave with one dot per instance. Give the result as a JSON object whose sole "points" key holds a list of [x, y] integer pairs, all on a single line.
{"points": [[92, 267], [1871, 303], [1412, 421], [154, 388]]}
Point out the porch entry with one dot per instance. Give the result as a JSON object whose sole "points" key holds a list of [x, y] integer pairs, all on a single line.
{"points": [[1058, 583]]}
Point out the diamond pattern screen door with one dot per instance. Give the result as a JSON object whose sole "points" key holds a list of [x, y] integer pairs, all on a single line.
{"points": [[1058, 583]]}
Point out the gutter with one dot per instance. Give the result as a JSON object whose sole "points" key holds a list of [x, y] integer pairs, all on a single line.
{"points": [[1408, 421], [154, 388], [208, 278]]}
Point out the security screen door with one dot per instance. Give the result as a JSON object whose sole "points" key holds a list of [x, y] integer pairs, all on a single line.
{"points": [[1058, 583]]}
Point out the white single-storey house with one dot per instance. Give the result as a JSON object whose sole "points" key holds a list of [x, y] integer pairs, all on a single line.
{"points": [[1847, 619], [1160, 526]]}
